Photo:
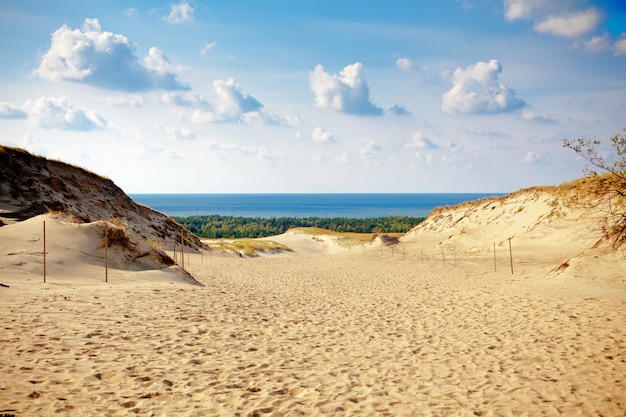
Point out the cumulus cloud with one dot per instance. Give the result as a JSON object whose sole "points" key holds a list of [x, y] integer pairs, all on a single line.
{"points": [[570, 25], [405, 64], [531, 157], [180, 13], [346, 92], [231, 99], [419, 141], [320, 135], [179, 132], [232, 105], [522, 9], [476, 89], [58, 113], [207, 48], [11, 111], [105, 60]]}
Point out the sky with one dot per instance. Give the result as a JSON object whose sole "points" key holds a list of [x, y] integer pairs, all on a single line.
{"points": [[283, 96]]}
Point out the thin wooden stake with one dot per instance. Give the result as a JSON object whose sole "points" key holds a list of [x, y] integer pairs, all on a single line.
{"points": [[182, 251], [443, 258], [44, 251], [494, 257], [511, 255], [106, 253], [454, 257]]}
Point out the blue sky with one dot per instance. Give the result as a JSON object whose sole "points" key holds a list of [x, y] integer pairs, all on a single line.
{"points": [[325, 96]]}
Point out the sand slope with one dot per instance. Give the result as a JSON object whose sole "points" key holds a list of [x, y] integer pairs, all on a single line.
{"points": [[424, 327], [343, 334]]}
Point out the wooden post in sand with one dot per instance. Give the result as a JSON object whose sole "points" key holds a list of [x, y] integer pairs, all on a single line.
{"points": [[44, 251], [182, 250], [494, 257], [443, 258], [511, 255], [106, 253], [454, 257]]}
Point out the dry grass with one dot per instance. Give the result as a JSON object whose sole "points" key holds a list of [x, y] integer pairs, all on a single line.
{"points": [[345, 238], [247, 247]]}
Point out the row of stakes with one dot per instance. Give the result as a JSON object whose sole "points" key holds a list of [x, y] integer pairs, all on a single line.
{"points": [[182, 254]]}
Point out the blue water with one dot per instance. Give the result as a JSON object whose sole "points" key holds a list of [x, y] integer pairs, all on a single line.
{"points": [[302, 205]]}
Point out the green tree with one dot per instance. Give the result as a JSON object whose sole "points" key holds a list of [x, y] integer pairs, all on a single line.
{"points": [[613, 163]]}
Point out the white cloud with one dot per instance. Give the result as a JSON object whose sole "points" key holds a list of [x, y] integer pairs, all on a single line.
{"points": [[370, 149], [531, 157], [157, 62], [184, 99], [476, 89], [207, 48], [58, 113], [347, 92], [180, 13], [521, 9], [232, 102], [620, 46], [179, 132], [405, 64], [421, 156], [11, 111], [419, 141], [105, 60], [320, 135], [595, 44], [130, 12], [487, 131], [232, 105], [533, 116], [132, 100], [571, 25], [256, 152]]}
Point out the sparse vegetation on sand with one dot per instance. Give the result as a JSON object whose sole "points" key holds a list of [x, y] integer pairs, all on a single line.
{"points": [[247, 247], [609, 192]]}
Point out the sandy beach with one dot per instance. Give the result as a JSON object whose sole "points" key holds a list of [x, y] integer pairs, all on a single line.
{"points": [[327, 329]]}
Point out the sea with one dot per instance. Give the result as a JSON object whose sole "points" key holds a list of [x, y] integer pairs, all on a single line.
{"points": [[303, 205]]}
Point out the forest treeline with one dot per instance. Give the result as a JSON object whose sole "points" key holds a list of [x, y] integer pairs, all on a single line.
{"points": [[232, 227]]}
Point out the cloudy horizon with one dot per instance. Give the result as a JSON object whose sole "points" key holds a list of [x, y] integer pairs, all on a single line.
{"points": [[231, 97]]}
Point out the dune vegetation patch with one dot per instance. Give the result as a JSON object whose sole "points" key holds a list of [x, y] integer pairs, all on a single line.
{"points": [[344, 238], [247, 247]]}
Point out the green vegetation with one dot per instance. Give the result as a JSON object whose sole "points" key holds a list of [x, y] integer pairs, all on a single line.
{"points": [[231, 227]]}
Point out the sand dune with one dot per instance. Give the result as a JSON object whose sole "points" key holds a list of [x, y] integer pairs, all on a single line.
{"points": [[433, 324]]}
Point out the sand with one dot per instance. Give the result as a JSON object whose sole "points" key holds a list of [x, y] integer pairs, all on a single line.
{"points": [[426, 327]]}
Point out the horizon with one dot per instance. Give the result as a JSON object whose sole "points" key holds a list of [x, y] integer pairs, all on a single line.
{"points": [[191, 97]]}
